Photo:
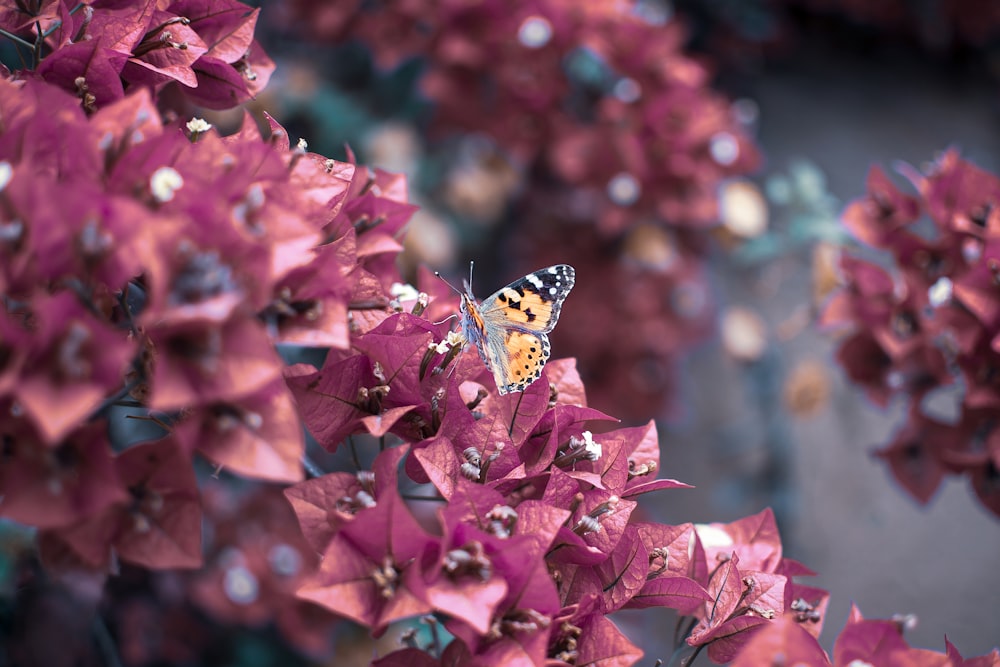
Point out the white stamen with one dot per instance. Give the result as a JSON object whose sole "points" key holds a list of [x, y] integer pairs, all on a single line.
{"points": [[240, 585], [403, 291], [627, 90], [593, 449], [940, 292], [197, 126], [164, 182], [6, 174], [724, 148], [535, 32], [623, 189]]}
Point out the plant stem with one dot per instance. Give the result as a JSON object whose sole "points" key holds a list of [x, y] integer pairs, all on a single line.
{"points": [[17, 40], [311, 467], [105, 643]]}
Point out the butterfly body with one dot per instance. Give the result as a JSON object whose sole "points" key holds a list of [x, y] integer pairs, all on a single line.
{"points": [[509, 327]]}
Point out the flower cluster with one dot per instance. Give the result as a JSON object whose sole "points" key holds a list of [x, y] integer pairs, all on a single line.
{"points": [[536, 542], [99, 50], [861, 642], [604, 133], [159, 265], [933, 321], [149, 268], [601, 94]]}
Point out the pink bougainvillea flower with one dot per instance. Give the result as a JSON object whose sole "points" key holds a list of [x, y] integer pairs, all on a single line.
{"points": [[670, 579], [991, 659], [755, 538], [915, 454], [201, 358], [16, 17], [582, 635], [255, 561], [616, 580], [51, 486], [74, 362], [323, 504], [749, 584], [520, 627], [891, 351], [258, 435], [559, 434], [89, 68], [235, 67], [165, 53], [484, 541], [975, 288], [397, 346], [807, 605], [742, 601], [784, 639], [932, 320], [370, 570], [876, 218], [383, 390], [598, 521], [643, 450], [311, 301], [222, 85], [465, 577], [879, 642], [342, 398], [873, 641], [961, 197], [159, 525]]}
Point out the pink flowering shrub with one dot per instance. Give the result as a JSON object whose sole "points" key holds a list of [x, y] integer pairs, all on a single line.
{"points": [[149, 269], [598, 94], [611, 130], [932, 321]]}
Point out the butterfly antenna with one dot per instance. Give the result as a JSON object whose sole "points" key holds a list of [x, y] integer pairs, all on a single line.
{"points": [[445, 281], [471, 264]]}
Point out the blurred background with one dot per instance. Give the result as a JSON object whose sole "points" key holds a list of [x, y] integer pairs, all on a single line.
{"points": [[691, 161]]}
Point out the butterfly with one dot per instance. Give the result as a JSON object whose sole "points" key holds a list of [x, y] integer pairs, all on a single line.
{"points": [[509, 327]]}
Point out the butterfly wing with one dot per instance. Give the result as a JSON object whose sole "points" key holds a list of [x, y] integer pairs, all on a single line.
{"points": [[531, 303], [509, 326], [526, 354]]}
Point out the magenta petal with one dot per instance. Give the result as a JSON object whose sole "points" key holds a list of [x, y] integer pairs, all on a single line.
{"points": [[99, 67]]}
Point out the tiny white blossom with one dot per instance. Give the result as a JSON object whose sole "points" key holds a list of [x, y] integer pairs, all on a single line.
{"points": [[940, 292], [164, 182], [198, 125], [624, 189], [593, 449], [403, 292], [302, 145], [452, 340], [6, 173], [535, 32], [712, 536]]}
